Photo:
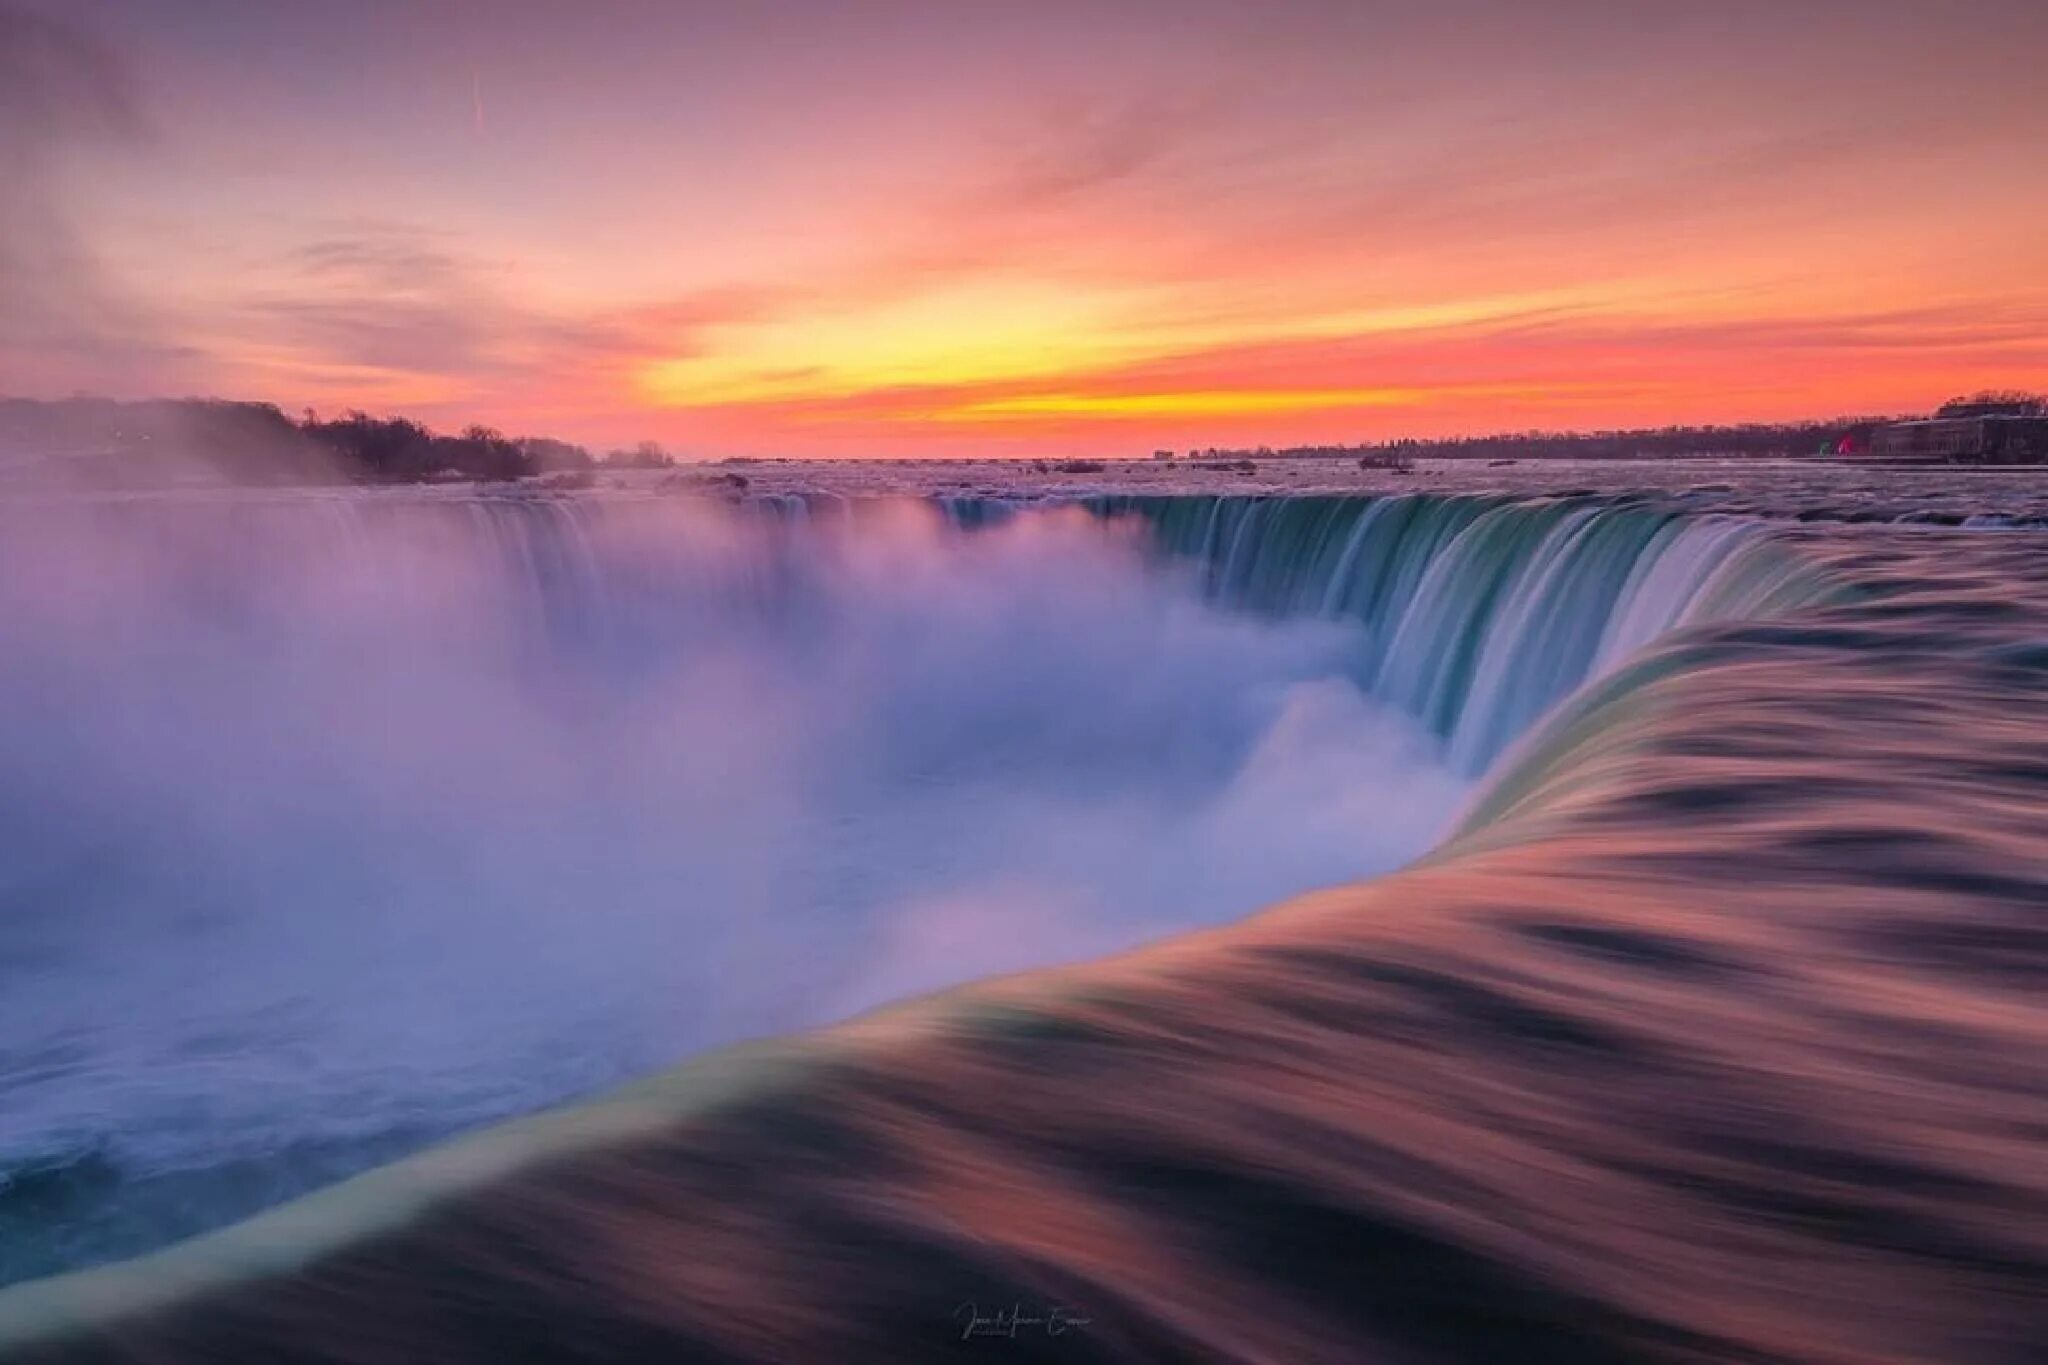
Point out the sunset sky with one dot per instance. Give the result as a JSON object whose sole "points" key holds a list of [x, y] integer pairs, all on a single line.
{"points": [[951, 228]]}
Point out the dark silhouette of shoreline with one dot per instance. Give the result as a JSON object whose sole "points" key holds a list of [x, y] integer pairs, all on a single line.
{"points": [[104, 441], [107, 441]]}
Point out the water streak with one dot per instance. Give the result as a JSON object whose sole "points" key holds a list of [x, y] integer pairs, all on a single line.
{"points": [[1479, 613]]}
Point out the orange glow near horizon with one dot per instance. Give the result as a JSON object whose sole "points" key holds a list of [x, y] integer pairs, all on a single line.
{"points": [[1063, 230]]}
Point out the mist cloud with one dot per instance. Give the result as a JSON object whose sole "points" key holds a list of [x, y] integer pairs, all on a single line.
{"points": [[439, 811]]}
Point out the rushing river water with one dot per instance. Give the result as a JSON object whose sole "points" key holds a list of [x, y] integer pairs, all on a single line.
{"points": [[1704, 1026]]}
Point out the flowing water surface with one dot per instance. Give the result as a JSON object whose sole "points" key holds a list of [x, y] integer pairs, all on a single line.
{"points": [[1700, 1023]]}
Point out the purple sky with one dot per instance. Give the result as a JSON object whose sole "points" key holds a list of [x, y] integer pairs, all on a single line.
{"points": [[826, 228]]}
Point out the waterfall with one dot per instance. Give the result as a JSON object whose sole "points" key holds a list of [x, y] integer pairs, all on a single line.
{"points": [[1479, 613], [561, 789], [1474, 615]]}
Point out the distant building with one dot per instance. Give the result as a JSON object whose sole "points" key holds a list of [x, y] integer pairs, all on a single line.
{"points": [[1987, 438], [2010, 403]]}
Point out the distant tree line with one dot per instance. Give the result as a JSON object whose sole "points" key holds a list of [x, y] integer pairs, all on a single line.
{"points": [[260, 443], [1759, 439]]}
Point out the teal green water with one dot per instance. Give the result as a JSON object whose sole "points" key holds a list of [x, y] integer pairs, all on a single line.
{"points": [[1480, 613]]}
